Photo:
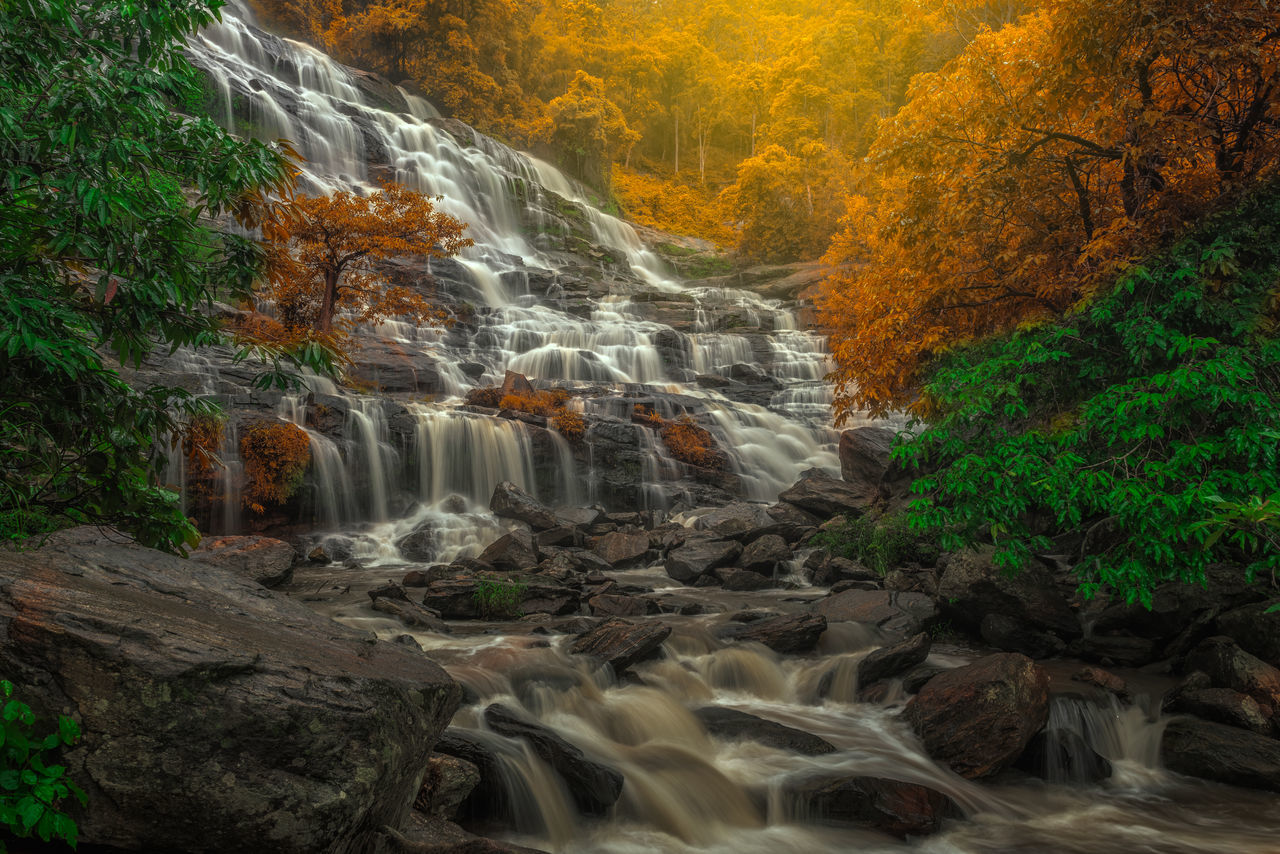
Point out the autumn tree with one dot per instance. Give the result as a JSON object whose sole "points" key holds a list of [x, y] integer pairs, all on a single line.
{"points": [[591, 128], [325, 252], [1037, 165]]}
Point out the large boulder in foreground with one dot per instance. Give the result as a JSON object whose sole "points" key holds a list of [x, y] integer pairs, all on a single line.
{"points": [[980, 718], [1221, 753], [264, 560], [620, 643], [865, 456], [217, 715], [825, 496]]}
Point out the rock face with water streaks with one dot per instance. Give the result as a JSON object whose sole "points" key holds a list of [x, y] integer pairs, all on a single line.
{"points": [[217, 715], [979, 718], [1224, 754]]}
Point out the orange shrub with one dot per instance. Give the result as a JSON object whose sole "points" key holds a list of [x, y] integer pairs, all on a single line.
{"points": [[200, 443], [544, 403], [570, 424], [488, 397], [275, 455], [691, 444]]}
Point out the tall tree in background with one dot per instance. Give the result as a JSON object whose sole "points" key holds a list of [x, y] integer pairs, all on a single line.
{"points": [[104, 254], [324, 249], [591, 128], [1056, 150]]}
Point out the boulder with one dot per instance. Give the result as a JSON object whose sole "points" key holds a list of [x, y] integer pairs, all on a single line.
{"points": [[620, 643], [511, 502], [622, 549], [1118, 650], [594, 787], [393, 600], [260, 559], [791, 523], [888, 661], [865, 456], [979, 718], [763, 554], [890, 806], [1175, 606], [972, 587], [448, 782], [1012, 635], [453, 598], [1229, 666], [896, 614], [789, 633], [700, 554], [743, 580], [217, 716], [740, 521], [613, 605], [514, 383], [579, 517], [1254, 629], [1104, 679], [1223, 706], [1224, 754], [488, 800], [513, 552], [825, 496], [733, 725]]}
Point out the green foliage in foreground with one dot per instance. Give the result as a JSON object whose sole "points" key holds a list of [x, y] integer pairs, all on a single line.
{"points": [[107, 254], [1154, 410], [499, 599], [32, 785], [879, 544]]}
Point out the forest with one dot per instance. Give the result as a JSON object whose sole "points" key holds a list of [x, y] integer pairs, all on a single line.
{"points": [[768, 425]]}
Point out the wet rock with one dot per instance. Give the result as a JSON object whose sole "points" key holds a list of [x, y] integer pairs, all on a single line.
{"points": [[972, 587], [821, 494], [448, 782], [620, 643], [889, 661], [513, 552], [791, 523], [489, 800], [178, 670], [763, 554], [1229, 666], [897, 614], [391, 367], [427, 834], [419, 545], [739, 520], [393, 600], [319, 556], [733, 725], [979, 718], [594, 786], [742, 579], [560, 535], [1175, 606], [789, 633], [511, 502], [622, 549], [917, 677], [890, 806], [1012, 635], [864, 456], [1062, 756], [579, 517], [1115, 650], [260, 559], [908, 580], [1224, 754], [611, 605], [700, 554], [514, 383], [1223, 706], [1104, 679], [1254, 630]]}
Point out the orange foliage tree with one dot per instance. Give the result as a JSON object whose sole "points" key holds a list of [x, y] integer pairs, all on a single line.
{"points": [[276, 455], [323, 253], [1045, 157]]}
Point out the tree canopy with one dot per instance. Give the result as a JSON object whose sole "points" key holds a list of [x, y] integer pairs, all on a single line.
{"points": [[109, 250]]}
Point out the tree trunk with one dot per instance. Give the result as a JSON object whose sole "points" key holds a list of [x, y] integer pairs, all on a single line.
{"points": [[328, 302], [677, 115]]}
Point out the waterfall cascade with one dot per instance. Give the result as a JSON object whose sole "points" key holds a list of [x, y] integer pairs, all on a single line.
{"points": [[553, 288]]}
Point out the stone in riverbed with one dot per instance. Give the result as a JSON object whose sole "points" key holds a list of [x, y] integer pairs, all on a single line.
{"points": [[864, 456], [448, 782], [733, 725], [739, 520], [1223, 706], [789, 633], [620, 643], [513, 552], [894, 613], [891, 806], [179, 671], [891, 660], [1221, 753], [595, 787], [393, 600], [824, 496], [1255, 630], [264, 560], [698, 555], [1062, 756], [972, 587], [622, 549], [614, 605], [979, 718], [742, 579], [511, 502], [763, 554], [1231, 667]]}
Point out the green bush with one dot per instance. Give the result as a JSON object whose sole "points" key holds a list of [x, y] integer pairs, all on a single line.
{"points": [[1152, 413], [32, 785], [879, 544], [499, 599]]}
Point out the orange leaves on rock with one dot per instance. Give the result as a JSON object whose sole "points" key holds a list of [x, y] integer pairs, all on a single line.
{"points": [[545, 403], [550, 404], [1036, 165], [570, 424], [275, 456], [323, 256], [683, 438]]}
